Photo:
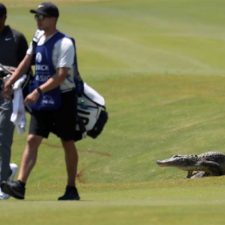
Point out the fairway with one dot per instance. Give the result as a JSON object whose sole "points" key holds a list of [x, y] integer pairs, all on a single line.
{"points": [[172, 202], [160, 64]]}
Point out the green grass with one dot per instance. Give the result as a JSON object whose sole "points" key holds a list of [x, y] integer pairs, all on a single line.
{"points": [[160, 66], [171, 202]]}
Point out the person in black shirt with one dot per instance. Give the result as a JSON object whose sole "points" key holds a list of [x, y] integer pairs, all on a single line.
{"points": [[13, 47]]}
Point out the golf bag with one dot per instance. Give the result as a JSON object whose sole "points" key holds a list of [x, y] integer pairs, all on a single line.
{"points": [[91, 113]]}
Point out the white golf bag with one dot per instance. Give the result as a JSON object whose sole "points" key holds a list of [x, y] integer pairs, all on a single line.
{"points": [[91, 113]]}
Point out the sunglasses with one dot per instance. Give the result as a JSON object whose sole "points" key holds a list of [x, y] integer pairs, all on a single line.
{"points": [[39, 17]]}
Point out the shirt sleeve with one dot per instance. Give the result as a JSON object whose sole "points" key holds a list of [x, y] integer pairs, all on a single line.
{"points": [[22, 47], [63, 53]]}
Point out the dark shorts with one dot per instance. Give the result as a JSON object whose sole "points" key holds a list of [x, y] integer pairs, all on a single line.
{"points": [[61, 122]]}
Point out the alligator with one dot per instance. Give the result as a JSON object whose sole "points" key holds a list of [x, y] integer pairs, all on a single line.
{"points": [[203, 165]]}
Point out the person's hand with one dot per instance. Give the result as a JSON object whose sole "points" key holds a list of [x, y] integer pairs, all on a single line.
{"points": [[32, 97], [7, 87]]}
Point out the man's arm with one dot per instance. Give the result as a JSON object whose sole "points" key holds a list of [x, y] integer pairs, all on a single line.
{"points": [[20, 70], [50, 84], [55, 80]]}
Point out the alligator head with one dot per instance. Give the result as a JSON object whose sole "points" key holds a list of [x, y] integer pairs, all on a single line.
{"points": [[184, 162]]}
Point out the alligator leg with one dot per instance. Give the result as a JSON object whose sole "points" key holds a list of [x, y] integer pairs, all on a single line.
{"points": [[199, 175], [210, 167], [196, 174]]}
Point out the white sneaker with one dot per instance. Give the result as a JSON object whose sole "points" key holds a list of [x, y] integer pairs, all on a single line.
{"points": [[13, 168], [3, 196]]}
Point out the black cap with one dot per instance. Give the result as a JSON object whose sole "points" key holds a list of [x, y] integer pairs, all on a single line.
{"points": [[3, 10], [46, 9]]}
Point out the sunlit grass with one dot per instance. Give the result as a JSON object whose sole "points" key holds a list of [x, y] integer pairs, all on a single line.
{"points": [[160, 66]]}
